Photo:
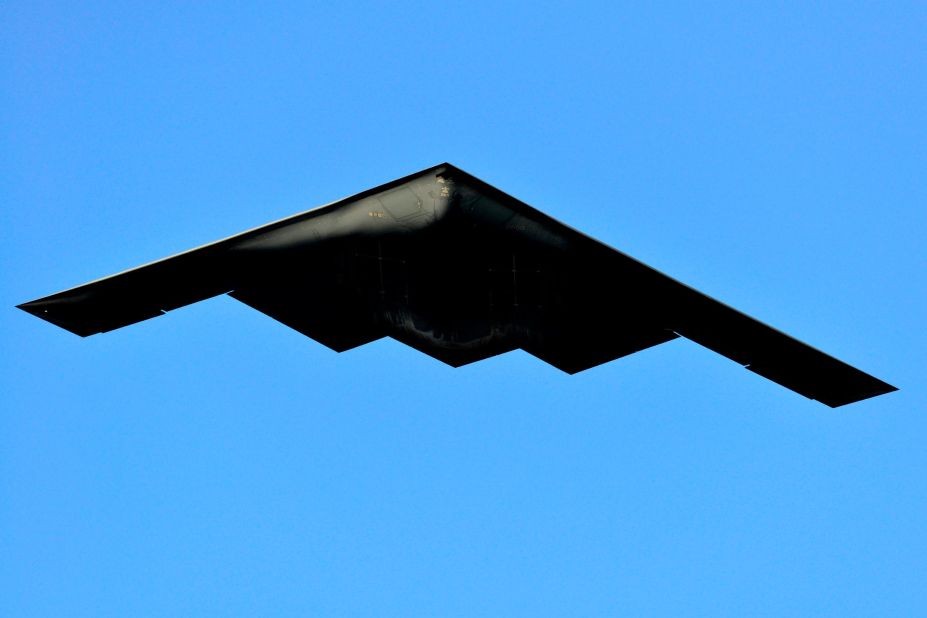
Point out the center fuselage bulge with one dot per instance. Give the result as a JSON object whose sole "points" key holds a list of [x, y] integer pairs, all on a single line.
{"points": [[412, 206], [435, 262]]}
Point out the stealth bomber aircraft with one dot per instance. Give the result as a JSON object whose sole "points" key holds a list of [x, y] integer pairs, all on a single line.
{"points": [[461, 271]]}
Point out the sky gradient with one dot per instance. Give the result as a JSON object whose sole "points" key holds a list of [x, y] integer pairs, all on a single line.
{"points": [[213, 462]]}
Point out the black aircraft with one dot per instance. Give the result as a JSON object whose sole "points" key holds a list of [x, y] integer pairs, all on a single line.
{"points": [[461, 271]]}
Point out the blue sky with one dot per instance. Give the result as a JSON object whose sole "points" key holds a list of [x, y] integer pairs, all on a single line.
{"points": [[213, 462]]}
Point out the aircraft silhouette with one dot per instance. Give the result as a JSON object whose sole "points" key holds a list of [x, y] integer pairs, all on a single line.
{"points": [[461, 271]]}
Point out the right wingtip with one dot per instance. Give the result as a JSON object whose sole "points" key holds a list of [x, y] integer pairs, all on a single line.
{"points": [[882, 388]]}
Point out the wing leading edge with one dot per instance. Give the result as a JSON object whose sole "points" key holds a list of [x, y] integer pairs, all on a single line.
{"points": [[460, 270]]}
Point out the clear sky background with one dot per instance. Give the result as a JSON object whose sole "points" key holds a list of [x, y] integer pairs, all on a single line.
{"points": [[212, 462]]}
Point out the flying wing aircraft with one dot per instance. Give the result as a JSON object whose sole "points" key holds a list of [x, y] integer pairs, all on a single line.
{"points": [[461, 271]]}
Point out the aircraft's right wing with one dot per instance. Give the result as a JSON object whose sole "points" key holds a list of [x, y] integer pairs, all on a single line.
{"points": [[696, 316], [771, 353], [760, 348]]}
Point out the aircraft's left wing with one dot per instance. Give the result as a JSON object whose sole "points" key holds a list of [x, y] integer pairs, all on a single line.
{"points": [[138, 294]]}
